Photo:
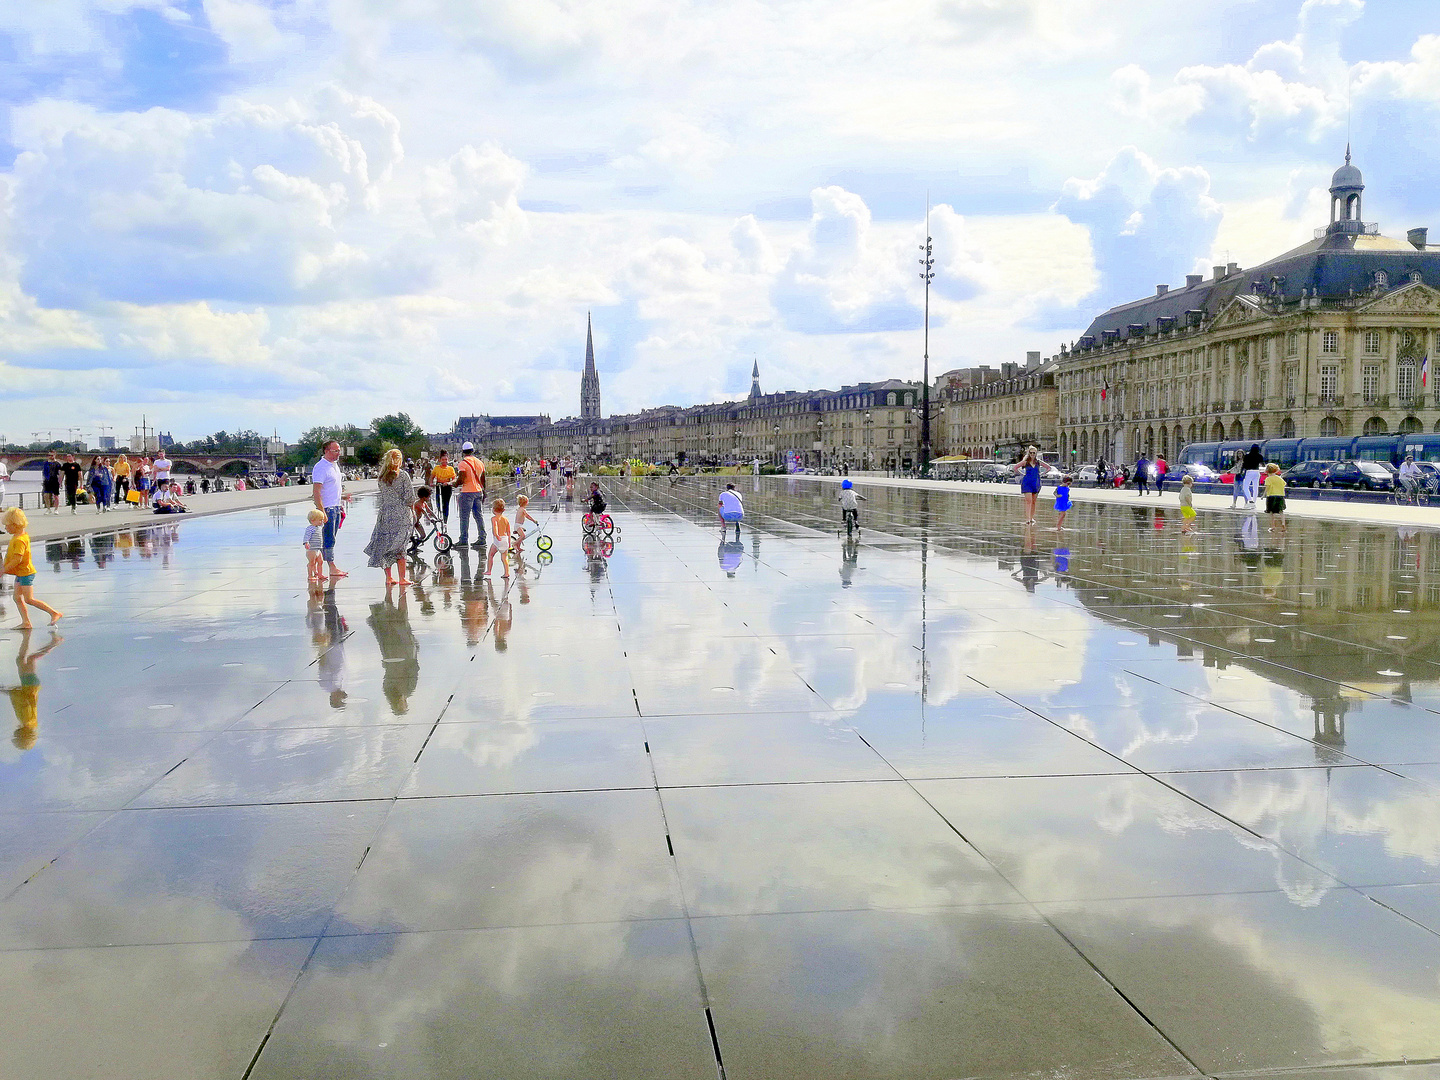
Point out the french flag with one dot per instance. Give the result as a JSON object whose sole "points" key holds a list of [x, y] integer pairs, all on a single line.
{"points": [[1424, 372]]}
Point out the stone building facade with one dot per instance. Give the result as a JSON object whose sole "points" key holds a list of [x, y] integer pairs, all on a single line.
{"points": [[871, 425], [1331, 338], [997, 417]]}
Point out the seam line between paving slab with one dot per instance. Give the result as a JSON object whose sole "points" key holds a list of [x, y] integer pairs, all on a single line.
{"points": [[1085, 959]]}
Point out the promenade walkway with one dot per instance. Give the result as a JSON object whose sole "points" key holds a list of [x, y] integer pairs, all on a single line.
{"points": [[46, 527], [1296, 506]]}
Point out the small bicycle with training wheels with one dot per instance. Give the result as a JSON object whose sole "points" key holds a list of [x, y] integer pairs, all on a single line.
{"points": [[601, 524]]}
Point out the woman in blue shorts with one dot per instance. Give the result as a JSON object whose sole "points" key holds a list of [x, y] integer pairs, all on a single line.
{"points": [[1029, 468]]}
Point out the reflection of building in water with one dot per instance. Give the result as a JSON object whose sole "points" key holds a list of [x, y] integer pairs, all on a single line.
{"points": [[1326, 593]]}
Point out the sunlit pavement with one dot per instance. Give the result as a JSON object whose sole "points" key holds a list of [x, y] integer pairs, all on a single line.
{"points": [[954, 799]]}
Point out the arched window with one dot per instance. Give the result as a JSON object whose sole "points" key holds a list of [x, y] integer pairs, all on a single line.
{"points": [[1257, 430], [890, 399], [1329, 427], [1287, 428], [1218, 435], [1410, 424], [1237, 431], [1375, 426]]}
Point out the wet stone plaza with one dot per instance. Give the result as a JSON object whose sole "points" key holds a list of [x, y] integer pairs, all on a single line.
{"points": [[955, 799]]}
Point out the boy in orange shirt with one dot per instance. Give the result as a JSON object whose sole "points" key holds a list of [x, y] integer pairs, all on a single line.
{"points": [[19, 563]]}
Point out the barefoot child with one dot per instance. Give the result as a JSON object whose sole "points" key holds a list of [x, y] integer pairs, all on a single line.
{"points": [[1274, 495], [1062, 502], [522, 515], [19, 563], [1187, 503], [313, 542], [499, 534]]}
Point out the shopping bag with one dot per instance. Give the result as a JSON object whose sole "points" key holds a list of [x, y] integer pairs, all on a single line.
{"points": [[132, 496]]}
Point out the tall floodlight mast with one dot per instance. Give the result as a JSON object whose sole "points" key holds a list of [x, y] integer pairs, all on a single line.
{"points": [[927, 275]]}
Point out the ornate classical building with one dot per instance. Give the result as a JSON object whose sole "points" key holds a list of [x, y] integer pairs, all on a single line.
{"points": [[1330, 338]]}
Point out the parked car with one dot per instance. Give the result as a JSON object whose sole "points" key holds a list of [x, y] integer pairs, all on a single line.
{"points": [[996, 472], [1051, 473], [1309, 474], [1360, 476], [1202, 473], [1086, 474]]}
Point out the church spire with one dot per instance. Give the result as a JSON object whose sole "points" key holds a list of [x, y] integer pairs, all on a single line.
{"points": [[590, 380], [755, 380]]}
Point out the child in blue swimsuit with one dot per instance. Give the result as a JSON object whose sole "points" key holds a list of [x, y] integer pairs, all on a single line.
{"points": [[1062, 501]]}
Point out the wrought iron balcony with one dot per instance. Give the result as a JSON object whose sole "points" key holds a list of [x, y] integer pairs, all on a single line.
{"points": [[1236, 404], [1334, 401], [1257, 403]]}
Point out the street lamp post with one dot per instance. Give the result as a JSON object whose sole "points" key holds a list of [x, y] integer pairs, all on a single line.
{"points": [[820, 438], [927, 275], [777, 444], [869, 452]]}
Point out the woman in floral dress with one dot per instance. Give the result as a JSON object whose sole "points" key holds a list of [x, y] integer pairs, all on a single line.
{"points": [[393, 518]]}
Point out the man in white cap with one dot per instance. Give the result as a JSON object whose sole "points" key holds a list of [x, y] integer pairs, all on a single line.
{"points": [[470, 471]]}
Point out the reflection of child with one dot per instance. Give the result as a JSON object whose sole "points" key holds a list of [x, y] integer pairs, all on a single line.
{"points": [[1062, 501], [1187, 502], [500, 535], [25, 698], [19, 563], [314, 542]]}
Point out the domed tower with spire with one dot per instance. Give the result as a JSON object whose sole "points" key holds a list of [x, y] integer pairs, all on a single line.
{"points": [[590, 380], [755, 381], [1346, 187]]}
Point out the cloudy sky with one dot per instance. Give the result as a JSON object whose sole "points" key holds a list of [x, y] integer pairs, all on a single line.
{"points": [[228, 213]]}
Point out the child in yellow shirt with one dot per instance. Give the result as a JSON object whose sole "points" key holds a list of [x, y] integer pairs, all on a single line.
{"points": [[19, 563], [1274, 490]]}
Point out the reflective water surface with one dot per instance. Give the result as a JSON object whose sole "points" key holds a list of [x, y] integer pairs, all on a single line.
{"points": [[950, 798]]}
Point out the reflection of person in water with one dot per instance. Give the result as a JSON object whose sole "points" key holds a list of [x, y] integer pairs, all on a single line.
{"points": [[327, 633], [731, 554], [1029, 572], [25, 698], [399, 651], [504, 616], [849, 561], [474, 611]]}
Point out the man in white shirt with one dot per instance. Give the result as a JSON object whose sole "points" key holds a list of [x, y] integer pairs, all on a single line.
{"points": [[162, 469], [731, 509], [329, 490], [1409, 473]]}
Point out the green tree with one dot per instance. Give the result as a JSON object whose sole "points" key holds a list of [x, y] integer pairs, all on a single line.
{"points": [[399, 430]]}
